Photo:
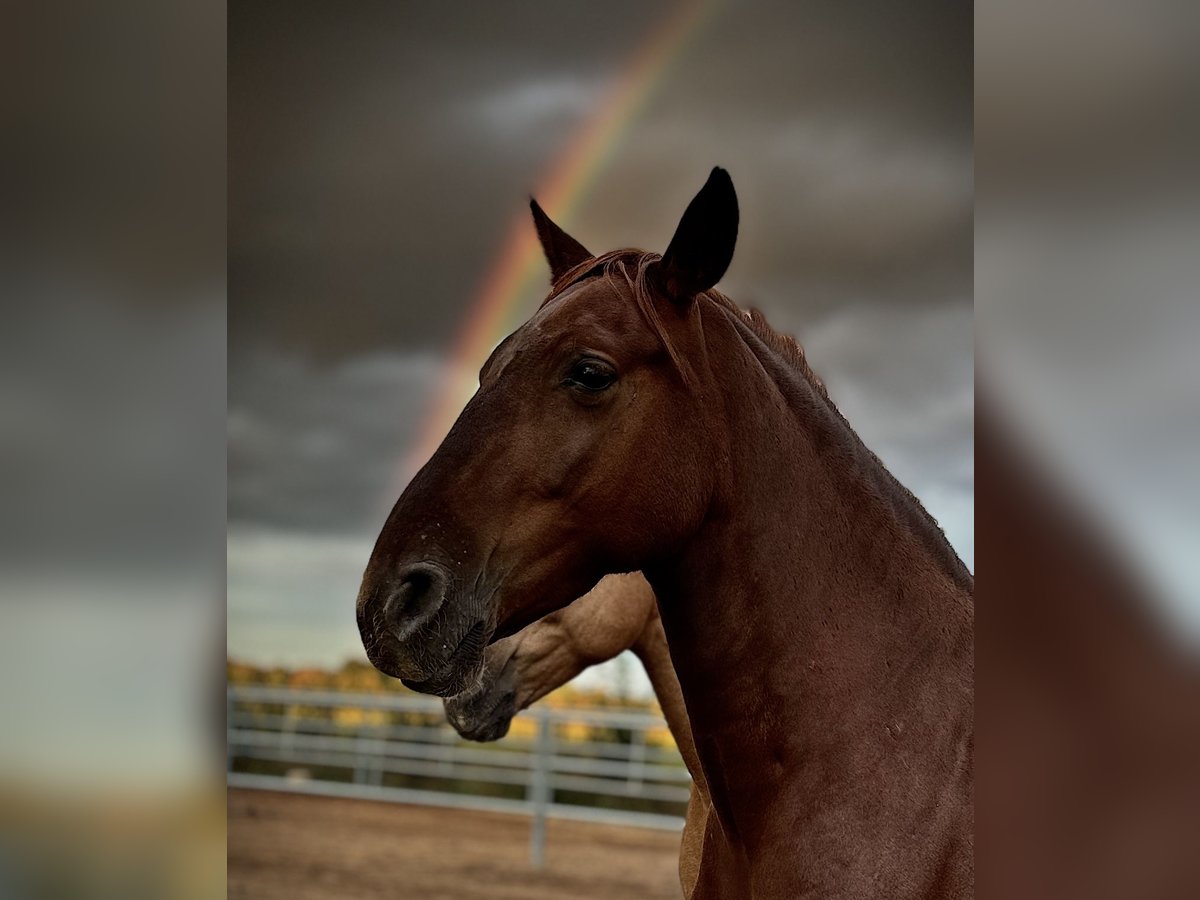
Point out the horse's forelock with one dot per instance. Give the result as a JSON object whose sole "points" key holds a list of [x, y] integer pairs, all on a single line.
{"points": [[630, 268]]}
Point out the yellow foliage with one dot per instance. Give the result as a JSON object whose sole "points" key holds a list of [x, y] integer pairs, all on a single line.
{"points": [[524, 727], [354, 717]]}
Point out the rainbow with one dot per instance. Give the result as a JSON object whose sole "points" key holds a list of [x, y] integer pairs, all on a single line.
{"points": [[519, 265]]}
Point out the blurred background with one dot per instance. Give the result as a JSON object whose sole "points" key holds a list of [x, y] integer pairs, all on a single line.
{"points": [[112, 457]]}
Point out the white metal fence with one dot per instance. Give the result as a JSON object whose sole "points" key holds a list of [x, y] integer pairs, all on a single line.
{"points": [[592, 765]]}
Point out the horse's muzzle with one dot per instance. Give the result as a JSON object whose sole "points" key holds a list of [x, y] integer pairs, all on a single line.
{"points": [[410, 632]]}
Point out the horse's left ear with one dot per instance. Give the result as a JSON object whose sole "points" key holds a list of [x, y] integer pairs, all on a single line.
{"points": [[702, 247], [562, 251]]}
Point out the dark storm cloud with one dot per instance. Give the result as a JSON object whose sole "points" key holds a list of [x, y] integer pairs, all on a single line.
{"points": [[317, 447], [377, 155]]}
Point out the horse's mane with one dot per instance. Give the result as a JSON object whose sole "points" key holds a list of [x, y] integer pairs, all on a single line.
{"points": [[633, 269]]}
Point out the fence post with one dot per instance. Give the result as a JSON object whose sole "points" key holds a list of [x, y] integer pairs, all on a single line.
{"points": [[539, 790], [448, 758], [287, 731], [362, 756], [637, 759], [379, 742]]}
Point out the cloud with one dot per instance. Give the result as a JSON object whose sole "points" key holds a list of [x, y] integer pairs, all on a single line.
{"points": [[524, 110], [291, 596], [317, 447]]}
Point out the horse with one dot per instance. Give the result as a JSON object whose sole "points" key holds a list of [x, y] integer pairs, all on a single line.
{"points": [[618, 614], [820, 624]]}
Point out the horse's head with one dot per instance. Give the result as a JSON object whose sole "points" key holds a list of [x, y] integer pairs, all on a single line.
{"points": [[521, 669], [584, 452]]}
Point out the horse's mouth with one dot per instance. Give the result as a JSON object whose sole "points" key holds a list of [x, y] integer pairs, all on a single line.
{"points": [[492, 730], [490, 725], [461, 668]]}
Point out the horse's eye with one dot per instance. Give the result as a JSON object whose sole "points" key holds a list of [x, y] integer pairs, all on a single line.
{"points": [[591, 375]]}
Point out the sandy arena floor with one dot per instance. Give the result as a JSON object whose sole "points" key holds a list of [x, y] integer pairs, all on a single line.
{"points": [[295, 847]]}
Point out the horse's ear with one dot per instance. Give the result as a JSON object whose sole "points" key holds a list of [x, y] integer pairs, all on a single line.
{"points": [[562, 251], [702, 247]]}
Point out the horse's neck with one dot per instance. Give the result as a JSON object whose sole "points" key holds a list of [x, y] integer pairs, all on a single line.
{"points": [[651, 649], [822, 645]]}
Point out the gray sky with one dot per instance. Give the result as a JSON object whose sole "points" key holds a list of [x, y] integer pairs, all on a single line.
{"points": [[377, 156]]}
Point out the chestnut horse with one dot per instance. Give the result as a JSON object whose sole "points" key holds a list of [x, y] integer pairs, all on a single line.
{"points": [[819, 622], [618, 614]]}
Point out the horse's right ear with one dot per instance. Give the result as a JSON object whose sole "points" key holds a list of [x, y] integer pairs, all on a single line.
{"points": [[562, 251], [702, 247]]}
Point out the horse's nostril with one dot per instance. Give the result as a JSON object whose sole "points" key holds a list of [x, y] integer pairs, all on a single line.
{"points": [[415, 599]]}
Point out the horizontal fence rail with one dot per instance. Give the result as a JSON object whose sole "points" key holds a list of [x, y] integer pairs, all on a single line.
{"points": [[584, 764]]}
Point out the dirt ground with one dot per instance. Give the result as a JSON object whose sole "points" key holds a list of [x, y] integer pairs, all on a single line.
{"points": [[296, 847]]}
